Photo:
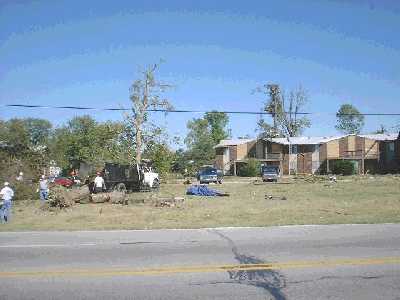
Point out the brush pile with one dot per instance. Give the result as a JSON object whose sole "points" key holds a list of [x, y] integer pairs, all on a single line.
{"points": [[59, 197], [169, 202]]}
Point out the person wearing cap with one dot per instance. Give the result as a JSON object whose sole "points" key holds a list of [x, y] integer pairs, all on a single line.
{"points": [[99, 184], [43, 188], [6, 195]]}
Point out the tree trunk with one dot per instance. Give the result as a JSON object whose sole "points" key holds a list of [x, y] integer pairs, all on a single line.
{"points": [[138, 144]]}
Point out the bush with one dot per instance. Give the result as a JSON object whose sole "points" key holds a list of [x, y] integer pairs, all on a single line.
{"points": [[25, 191], [344, 167], [59, 197], [251, 169]]}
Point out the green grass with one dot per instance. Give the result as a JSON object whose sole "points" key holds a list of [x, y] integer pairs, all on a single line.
{"points": [[350, 200]]}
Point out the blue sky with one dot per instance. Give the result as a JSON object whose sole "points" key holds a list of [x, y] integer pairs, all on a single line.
{"points": [[87, 53]]}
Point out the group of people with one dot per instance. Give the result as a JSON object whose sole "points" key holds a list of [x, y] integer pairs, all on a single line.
{"points": [[7, 193]]}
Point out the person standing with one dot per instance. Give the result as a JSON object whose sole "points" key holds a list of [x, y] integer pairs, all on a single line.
{"points": [[6, 195], [20, 177], [43, 188], [99, 184]]}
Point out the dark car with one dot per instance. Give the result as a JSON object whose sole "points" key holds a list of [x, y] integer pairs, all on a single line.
{"points": [[270, 173], [209, 174]]}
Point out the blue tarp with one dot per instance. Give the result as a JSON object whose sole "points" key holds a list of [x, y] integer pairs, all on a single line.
{"points": [[203, 190]]}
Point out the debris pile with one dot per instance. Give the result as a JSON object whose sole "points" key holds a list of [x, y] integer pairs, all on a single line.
{"points": [[271, 197], [118, 198], [311, 178], [59, 197], [332, 178], [187, 181], [280, 181], [169, 202], [100, 197]]}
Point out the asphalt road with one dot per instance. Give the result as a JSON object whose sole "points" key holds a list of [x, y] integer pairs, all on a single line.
{"points": [[291, 262]]}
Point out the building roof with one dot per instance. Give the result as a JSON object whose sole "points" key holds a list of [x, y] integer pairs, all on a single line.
{"points": [[308, 140], [304, 140], [312, 140], [233, 142], [381, 136]]}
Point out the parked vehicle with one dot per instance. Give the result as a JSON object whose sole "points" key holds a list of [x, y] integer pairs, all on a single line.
{"points": [[210, 174], [64, 181], [270, 173], [124, 178]]}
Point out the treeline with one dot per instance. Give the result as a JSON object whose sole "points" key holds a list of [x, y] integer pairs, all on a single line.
{"points": [[31, 144]]}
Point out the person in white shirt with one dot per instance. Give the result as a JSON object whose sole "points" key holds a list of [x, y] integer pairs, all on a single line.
{"points": [[99, 184], [43, 188], [20, 176], [6, 200]]}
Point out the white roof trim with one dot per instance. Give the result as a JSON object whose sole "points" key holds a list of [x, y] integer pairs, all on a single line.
{"points": [[233, 142], [381, 136], [304, 140]]}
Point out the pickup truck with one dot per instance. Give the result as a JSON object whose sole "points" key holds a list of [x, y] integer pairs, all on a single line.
{"points": [[210, 174]]}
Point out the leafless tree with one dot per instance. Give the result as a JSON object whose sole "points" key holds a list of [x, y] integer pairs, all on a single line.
{"points": [[285, 110], [145, 94]]}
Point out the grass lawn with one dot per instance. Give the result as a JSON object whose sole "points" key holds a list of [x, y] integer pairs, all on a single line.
{"points": [[369, 199]]}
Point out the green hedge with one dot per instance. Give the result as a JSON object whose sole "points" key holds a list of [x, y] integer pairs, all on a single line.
{"points": [[23, 191], [251, 169], [344, 167]]}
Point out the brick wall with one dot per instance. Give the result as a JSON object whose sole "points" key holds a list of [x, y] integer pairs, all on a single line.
{"points": [[285, 161], [343, 147], [360, 144], [304, 159], [219, 162], [232, 153]]}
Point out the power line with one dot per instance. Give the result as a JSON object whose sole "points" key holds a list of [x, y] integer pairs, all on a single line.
{"points": [[185, 111], [148, 110]]}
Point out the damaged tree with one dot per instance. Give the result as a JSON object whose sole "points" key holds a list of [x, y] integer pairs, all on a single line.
{"points": [[286, 111], [145, 94]]}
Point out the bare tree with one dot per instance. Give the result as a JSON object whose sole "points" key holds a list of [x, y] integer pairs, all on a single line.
{"points": [[290, 119], [285, 110], [145, 94]]}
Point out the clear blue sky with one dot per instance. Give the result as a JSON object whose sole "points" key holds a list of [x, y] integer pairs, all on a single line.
{"points": [[216, 52]]}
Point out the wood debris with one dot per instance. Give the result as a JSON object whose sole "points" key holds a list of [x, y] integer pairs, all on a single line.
{"points": [[271, 197], [169, 202]]}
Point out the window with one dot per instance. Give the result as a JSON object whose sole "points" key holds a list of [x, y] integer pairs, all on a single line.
{"points": [[391, 147], [294, 149]]}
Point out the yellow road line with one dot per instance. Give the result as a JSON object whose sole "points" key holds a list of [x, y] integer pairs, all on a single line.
{"points": [[204, 269]]}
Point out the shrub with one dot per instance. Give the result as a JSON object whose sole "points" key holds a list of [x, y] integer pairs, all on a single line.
{"points": [[251, 169], [24, 191], [344, 167]]}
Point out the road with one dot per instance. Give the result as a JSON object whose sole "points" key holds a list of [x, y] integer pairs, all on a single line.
{"points": [[289, 262]]}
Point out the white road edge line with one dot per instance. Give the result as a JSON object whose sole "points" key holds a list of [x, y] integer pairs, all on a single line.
{"points": [[196, 229], [47, 245]]}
